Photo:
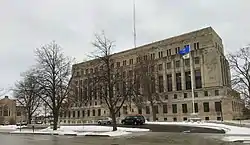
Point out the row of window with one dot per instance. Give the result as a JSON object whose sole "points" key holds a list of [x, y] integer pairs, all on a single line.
{"points": [[206, 108], [78, 114], [145, 57], [198, 84], [185, 118], [94, 112]]}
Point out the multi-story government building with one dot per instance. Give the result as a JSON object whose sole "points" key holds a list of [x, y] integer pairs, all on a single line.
{"points": [[214, 97]]}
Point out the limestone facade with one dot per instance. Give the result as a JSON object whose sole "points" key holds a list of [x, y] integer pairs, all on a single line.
{"points": [[214, 97]]}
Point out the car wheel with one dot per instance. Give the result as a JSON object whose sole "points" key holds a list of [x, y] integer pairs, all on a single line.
{"points": [[99, 123], [108, 122]]}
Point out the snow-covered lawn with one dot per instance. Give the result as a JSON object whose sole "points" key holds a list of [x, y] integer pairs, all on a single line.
{"points": [[85, 130]]}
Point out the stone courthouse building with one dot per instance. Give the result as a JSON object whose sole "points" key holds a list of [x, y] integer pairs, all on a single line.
{"points": [[214, 97]]}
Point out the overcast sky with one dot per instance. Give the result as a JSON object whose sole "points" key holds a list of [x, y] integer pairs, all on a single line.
{"points": [[27, 24]]}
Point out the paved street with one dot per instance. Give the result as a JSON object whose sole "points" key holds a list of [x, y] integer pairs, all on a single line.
{"points": [[171, 128], [150, 138]]}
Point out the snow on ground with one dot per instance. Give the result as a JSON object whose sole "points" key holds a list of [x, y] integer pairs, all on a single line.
{"points": [[85, 130], [10, 127]]}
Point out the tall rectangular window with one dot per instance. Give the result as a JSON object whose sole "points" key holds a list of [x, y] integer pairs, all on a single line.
{"points": [[160, 67], [184, 108], [174, 108], [216, 92], [169, 82], [217, 106], [198, 79], [99, 112], [165, 108], [78, 114], [156, 109], [196, 60], [88, 112], [152, 56], [188, 80], [206, 106], [196, 107], [93, 112], [83, 113], [130, 61], [187, 62], [124, 62], [196, 45], [177, 63], [147, 110], [161, 86], [178, 81], [168, 65]]}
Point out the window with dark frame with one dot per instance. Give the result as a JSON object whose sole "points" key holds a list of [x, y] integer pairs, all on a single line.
{"points": [[197, 60], [165, 108], [177, 63], [174, 108], [147, 110], [184, 108], [178, 81], [206, 106]]}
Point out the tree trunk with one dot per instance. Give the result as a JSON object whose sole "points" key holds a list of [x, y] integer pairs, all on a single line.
{"points": [[29, 118], [55, 121], [113, 115], [153, 111]]}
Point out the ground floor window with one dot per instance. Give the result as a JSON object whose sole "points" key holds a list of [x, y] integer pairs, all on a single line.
{"points": [[184, 118], [218, 118], [174, 119], [165, 119], [206, 118]]}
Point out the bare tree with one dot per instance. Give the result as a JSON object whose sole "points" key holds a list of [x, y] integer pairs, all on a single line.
{"points": [[54, 76], [240, 66], [148, 84], [110, 81], [27, 93]]}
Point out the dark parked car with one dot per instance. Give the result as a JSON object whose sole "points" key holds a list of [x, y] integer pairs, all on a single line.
{"points": [[134, 120]]}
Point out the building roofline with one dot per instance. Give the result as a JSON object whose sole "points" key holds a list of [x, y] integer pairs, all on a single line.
{"points": [[155, 42]]}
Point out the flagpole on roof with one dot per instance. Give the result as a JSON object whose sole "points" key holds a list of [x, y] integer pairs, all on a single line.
{"points": [[134, 24]]}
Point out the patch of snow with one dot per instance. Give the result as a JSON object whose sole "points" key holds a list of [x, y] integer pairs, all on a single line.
{"points": [[94, 128], [111, 133], [10, 127]]}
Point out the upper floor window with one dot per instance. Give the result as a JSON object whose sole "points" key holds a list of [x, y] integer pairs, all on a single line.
{"points": [[124, 62], [145, 57], [152, 56], [130, 61], [196, 45], [177, 49], [160, 54], [118, 64], [216, 92], [169, 52], [196, 60], [177, 63], [160, 67], [168, 65]]}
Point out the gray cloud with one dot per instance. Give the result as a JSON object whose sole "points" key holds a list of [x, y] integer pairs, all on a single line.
{"points": [[26, 25]]}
